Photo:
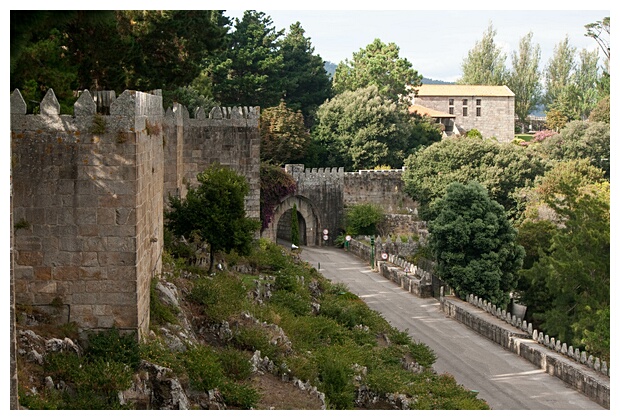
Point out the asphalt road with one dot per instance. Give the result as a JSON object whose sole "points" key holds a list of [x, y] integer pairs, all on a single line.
{"points": [[503, 379]]}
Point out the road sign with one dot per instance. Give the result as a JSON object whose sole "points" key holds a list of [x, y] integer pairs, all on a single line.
{"points": [[325, 237], [384, 256], [348, 238], [325, 231]]}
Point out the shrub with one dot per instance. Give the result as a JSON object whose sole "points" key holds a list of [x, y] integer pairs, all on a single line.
{"points": [[94, 383], [239, 395], [474, 133], [235, 363], [203, 368], [336, 379], [253, 338], [221, 296], [362, 219], [112, 346]]}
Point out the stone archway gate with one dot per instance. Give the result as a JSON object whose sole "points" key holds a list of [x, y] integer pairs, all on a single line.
{"points": [[307, 211]]}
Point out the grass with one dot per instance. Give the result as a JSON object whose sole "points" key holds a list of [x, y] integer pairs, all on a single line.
{"points": [[330, 349]]}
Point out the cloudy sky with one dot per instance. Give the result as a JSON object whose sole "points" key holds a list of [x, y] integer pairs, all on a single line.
{"points": [[434, 41]]}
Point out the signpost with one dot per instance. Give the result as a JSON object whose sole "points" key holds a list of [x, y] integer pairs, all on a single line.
{"points": [[347, 241]]}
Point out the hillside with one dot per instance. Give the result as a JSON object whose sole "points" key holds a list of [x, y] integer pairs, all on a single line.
{"points": [[265, 332]]}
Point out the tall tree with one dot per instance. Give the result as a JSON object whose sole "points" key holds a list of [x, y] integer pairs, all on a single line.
{"points": [[306, 82], [585, 81], [502, 168], [524, 78], [284, 137], [40, 55], [214, 212], [474, 244], [572, 278], [378, 64], [248, 72], [485, 64], [558, 71], [600, 31], [170, 44], [363, 129], [133, 49]]}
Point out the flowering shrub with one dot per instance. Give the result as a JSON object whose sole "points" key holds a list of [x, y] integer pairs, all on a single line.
{"points": [[275, 184], [542, 135]]}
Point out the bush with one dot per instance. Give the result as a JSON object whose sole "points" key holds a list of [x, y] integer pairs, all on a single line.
{"points": [[221, 296], [94, 383], [203, 368], [362, 219], [235, 363], [239, 395], [112, 346], [253, 338], [474, 133]]}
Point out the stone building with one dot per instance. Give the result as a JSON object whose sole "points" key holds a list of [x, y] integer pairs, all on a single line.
{"points": [[489, 109]]}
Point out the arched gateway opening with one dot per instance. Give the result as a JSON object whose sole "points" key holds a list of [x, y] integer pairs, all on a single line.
{"points": [[307, 217]]}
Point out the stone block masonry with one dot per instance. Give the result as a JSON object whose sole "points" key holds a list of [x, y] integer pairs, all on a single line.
{"points": [[88, 209], [228, 136], [88, 197]]}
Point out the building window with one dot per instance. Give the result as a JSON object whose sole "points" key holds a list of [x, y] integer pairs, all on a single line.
{"points": [[478, 112], [451, 102], [464, 111], [478, 102], [464, 102], [451, 110]]}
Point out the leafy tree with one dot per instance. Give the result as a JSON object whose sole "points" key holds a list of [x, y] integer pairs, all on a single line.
{"points": [[40, 59], [363, 129], [306, 82], [378, 64], [248, 71], [602, 111], [600, 31], [362, 219], [112, 50], [579, 140], [485, 64], [556, 119], [275, 185], [284, 137], [214, 212], [558, 71], [524, 78], [503, 168], [585, 80], [572, 277], [474, 244], [170, 45]]}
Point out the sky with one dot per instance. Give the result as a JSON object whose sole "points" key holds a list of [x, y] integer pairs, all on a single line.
{"points": [[435, 41]]}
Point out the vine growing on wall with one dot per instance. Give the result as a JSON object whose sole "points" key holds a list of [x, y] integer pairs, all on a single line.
{"points": [[275, 184]]}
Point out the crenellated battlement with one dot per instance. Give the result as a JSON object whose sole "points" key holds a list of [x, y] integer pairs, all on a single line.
{"points": [[88, 192], [323, 170]]}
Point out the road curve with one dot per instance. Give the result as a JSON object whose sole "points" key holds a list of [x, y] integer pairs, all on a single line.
{"points": [[503, 379]]}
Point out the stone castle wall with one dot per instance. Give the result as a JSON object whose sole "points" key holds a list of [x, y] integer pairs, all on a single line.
{"points": [[228, 136], [382, 187], [87, 208], [324, 188], [331, 190], [88, 196]]}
